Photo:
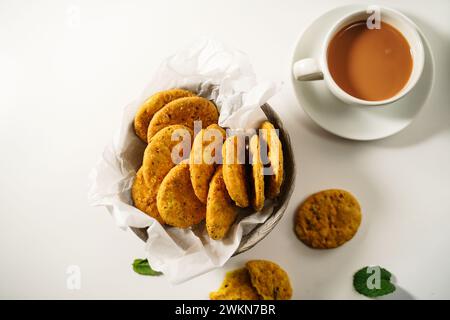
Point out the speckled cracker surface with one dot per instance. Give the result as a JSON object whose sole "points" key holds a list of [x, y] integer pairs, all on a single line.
{"points": [[177, 203], [236, 286], [202, 165], [270, 281], [153, 105], [275, 155], [234, 173], [184, 111], [257, 194], [220, 209], [142, 197], [328, 219], [157, 162]]}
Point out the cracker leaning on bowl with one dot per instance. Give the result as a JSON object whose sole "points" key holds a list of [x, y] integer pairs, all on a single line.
{"points": [[201, 188]]}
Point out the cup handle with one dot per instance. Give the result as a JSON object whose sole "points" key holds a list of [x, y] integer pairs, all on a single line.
{"points": [[307, 70]]}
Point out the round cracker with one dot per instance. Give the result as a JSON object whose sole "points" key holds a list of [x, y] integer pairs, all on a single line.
{"points": [[236, 286], [234, 173], [328, 219], [257, 173], [202, 165], [184, 111], [275, 156], [176, 200], [157, 162], [269, 279], [220, 209], [153, 105], [142, 197]]}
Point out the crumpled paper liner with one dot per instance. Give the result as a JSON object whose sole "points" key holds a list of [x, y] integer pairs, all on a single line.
{"points": [[217, 73]]}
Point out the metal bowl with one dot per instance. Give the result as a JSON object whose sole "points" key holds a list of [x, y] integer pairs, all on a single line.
{"points": [[250, 239]]}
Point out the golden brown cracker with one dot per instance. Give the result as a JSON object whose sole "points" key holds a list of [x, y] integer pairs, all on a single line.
{"points": [[177, 203], [257, 173], [270, 281], [328, 219], [236, 286], [275, 156], [184, 111], [153, 105], [203, 158], [234, 173], [220, 209], [157, 162], [142, 197]]}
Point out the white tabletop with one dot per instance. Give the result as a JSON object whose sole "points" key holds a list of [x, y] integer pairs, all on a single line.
{"points": [[69, 67]]}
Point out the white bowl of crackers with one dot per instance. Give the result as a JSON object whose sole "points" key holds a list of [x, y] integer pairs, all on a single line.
{"points": [[195, 172]]}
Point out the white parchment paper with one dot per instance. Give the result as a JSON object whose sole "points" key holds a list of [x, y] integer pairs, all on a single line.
{"points": [[216, 73]]}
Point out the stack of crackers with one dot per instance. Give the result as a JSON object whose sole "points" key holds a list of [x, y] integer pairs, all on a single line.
{"points": [[258, 280], [182, 183]]}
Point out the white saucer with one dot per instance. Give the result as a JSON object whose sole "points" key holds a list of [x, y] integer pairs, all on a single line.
{"points": [[349, 121]]}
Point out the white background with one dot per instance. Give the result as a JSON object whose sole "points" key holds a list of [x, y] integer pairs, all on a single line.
{"points": [[67, 68]]}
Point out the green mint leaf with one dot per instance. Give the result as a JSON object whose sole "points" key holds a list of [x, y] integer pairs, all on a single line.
{"points": [[364, 282], [141, 266]]}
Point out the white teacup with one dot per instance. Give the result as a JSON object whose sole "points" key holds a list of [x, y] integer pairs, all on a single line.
{"points": [[316, 68]]}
